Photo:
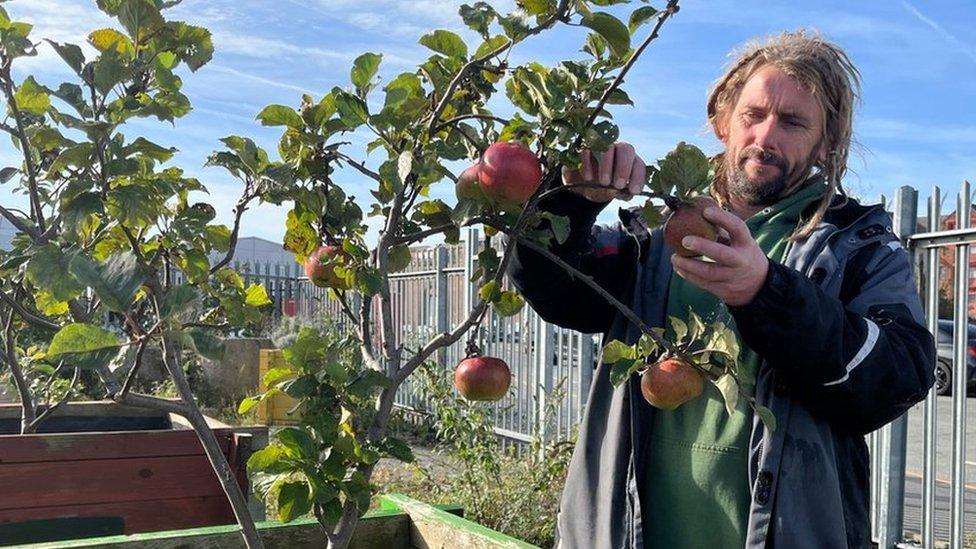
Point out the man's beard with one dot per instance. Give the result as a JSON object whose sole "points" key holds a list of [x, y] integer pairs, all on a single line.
{"points": [[769, 192]]}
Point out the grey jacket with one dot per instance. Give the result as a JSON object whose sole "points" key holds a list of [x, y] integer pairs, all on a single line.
{"points": [[839, 330]]}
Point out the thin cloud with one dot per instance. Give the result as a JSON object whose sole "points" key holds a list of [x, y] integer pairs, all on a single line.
{"points": [[261, 79], [965, 49]]}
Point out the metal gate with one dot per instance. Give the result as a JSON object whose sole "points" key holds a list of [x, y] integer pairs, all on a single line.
{"points": [[914, 505]]}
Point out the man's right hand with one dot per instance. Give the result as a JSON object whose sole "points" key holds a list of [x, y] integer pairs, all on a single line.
{"points": [[619, 173]]}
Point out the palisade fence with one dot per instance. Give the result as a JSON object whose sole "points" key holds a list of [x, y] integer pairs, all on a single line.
{"points": [[434, 294]]}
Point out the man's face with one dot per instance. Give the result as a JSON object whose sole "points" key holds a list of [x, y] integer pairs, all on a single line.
{"points": [[773, 137]]}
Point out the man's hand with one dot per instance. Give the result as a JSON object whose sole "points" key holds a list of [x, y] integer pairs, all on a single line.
{"points": [[740, 267], [620, 171]]}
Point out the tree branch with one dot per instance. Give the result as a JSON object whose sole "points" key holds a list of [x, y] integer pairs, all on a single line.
{"points": [[456, 81], [446, 123], [28, 406], [360, 167], [7, 85], [32, 426], [577, 274], [239, 210], [20, 225], [663, 16], [35, 319]]}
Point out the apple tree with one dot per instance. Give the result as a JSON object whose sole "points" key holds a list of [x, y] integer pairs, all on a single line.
{"points": [[90, 282]]}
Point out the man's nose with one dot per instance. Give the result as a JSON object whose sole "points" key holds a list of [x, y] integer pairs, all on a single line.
{"points": [[766, 134]]}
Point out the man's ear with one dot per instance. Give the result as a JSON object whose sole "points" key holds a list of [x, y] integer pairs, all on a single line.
{"points": [[822, 152], [720, 130]]}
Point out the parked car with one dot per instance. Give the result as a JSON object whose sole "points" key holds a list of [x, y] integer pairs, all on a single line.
{"points": [[944, 365]]}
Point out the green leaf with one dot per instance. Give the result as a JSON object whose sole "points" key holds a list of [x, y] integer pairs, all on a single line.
{"points": [[730, 391], [256, 295], [364, 69], [538, 7], [71, 54], [640, 16], [298, 442], [678, 328], [83, 346], [646, 346], [652, 213], [352, 110], [115, 281], [445, 42], [488, 291], [206, 343], [49, 270], [274, 375], [559, 224], [623, 369], [139, 17], [272, 459], [477, 17], [149, 149], [399, 258], [509, 303], [247, 404], [111, 39], [616, 351], [280, 115], [32, 97], [766, 416], [611, 29], [398, 449], [684, 171]]}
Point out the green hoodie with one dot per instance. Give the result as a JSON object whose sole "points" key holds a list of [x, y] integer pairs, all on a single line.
{"points": [[697, 490]]}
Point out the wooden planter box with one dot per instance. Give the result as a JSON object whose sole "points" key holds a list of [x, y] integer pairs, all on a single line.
{"points": [[400, 523], [280, 409], [99, 468]]}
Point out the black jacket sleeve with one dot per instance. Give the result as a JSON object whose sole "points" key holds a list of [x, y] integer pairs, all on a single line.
{"points": [[863, 362], [605, 253]]}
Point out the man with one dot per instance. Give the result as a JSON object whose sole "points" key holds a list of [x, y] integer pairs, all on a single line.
{"points": [[820, 293]]}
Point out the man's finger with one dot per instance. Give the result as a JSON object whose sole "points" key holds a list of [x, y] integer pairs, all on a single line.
{"points": [[638, 175], [717, 252], [606, 167], [587, 166], [738, 231], [705, 272], [623, 165]]}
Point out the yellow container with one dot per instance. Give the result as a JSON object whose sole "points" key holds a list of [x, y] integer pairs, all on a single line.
{"points": [[275, 410]]}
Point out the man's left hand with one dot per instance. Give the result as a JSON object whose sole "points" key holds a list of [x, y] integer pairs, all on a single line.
{"points": [[739, 268]]}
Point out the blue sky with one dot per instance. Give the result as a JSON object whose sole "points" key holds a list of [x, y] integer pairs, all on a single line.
{"points": [[916, 124]]}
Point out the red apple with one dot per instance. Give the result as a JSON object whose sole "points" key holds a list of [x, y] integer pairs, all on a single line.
{"points": [[670, 383], [467, 185], [482, 378], [687, 220], [509, 173], [320, 267]]}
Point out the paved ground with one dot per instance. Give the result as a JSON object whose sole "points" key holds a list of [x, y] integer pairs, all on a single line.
{"points": [[943, 471]]}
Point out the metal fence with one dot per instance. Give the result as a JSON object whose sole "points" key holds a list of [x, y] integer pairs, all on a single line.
{"points": [[434, 294]]}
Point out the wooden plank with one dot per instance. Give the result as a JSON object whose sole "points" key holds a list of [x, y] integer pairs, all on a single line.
{"points": [[104, 481], [435, 528], [377, 529], [88, 446], [129, 517], [87, 408]]}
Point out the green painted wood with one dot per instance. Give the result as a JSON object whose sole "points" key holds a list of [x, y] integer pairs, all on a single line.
{"points": [[432, 527], [386, 528]]}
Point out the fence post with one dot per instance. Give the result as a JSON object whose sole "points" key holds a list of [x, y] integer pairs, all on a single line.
{"points": [[892, 497], [440, 295], [470, 264], [544, 365]]}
